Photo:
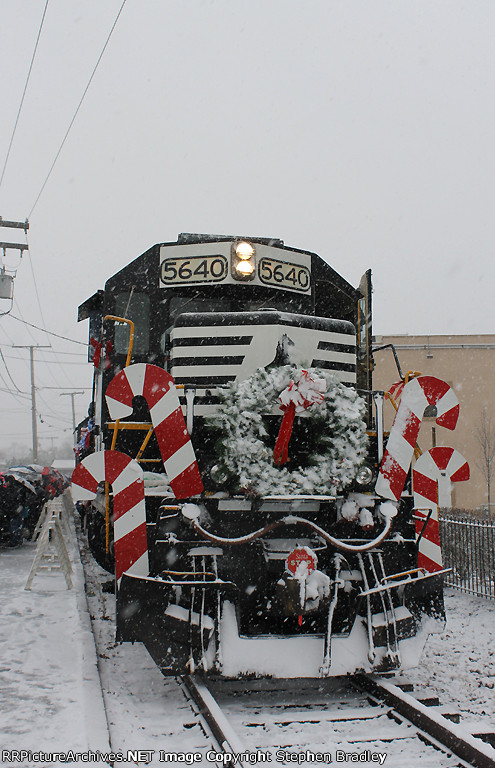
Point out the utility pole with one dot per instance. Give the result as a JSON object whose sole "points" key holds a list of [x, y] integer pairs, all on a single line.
{"points": [[7, 277], [34, 424], [72, 395], [16, 225]]}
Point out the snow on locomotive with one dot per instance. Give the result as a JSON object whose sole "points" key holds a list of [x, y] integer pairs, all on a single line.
{"points": [[238, 473]]}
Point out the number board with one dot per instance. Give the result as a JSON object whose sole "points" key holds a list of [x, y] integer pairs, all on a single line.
{"points": [[194, 269], [284, 274]]}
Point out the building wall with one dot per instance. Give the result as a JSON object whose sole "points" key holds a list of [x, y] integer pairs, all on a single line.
{"points": [[467, 363]]}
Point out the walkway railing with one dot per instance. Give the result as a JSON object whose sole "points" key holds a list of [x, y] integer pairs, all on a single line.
{"points": [[468, 548]]}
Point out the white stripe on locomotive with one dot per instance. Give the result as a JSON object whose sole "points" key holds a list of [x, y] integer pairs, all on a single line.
{"points": [[260, 352]]}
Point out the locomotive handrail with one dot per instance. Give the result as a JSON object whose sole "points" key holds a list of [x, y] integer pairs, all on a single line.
{"points": [[401, 574], [131, 333], [403, 582], [291, 520]]}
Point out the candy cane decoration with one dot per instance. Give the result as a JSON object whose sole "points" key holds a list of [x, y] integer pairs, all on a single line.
{"points": [[417, 394], [395, 391], [428, 471], [129, 511], [158, 389]]}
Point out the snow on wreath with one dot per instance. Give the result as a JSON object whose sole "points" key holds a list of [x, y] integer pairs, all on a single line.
{"points": [[326, 447]]}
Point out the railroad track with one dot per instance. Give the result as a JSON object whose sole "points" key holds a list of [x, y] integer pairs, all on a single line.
{"points": [[336, 721], [364, 720], [143, 709]]}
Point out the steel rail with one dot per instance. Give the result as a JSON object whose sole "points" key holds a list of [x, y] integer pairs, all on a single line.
{"points": [[461, 743], [432, 728], [218, 724]]}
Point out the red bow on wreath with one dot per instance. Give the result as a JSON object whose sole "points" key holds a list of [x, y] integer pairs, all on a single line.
{"points": [[98, 349], [296, 398]]}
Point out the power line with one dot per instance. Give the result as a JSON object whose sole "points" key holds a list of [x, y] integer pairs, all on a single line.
{"points": [[35, 283], [15, 434], [77, 109], [46, 405], [42, 316], [21, 319], [12, 392], [48, 352], [12, 357], [18, 394], [33, 398], [8, 372], [82, 363], [46, 420], [43, 321], [60, 352], [72, 396], [52, 362], [23, 94], [42, 347], [88, 389], [57, 362], [51, 333]]}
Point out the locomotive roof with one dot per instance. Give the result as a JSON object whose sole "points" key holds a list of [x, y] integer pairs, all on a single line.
{"points": [[187, 238], [323, 270]]}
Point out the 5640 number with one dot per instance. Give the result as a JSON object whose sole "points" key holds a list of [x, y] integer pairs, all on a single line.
{"points": [[284, 274], [197, 269]]}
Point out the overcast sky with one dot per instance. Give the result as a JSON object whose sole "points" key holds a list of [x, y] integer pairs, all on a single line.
{"points": [[363, 131]]}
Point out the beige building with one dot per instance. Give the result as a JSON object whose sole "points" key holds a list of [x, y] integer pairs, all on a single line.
{"points": [[467, 363]]}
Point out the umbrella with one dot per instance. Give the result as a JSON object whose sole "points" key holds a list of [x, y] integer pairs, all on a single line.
{"points": [[19, 478], [48, 477], [29, 473], [37, 469], [22, 480]]}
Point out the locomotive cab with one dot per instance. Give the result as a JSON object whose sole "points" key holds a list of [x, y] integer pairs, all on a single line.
{"points": [[284, 561]]}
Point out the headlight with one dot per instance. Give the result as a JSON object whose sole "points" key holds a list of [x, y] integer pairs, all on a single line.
{"points": [[364, 476], [243, 260], [244, 250], [245, 267]]}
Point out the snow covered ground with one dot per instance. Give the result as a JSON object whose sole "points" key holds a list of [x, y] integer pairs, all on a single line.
{"points": [[50, 700], [459, 664], [48, 674]]}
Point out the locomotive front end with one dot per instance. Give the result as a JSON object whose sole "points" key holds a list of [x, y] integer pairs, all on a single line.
{"points": [[277, 540]]}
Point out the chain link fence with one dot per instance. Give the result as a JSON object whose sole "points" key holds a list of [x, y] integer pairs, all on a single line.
{"points": [[468, 548]]}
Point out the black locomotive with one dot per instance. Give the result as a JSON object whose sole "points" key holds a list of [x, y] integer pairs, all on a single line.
{"points": [[287, 562]]}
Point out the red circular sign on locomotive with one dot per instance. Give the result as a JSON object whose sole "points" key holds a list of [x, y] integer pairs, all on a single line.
{"points": [[298, 556]]}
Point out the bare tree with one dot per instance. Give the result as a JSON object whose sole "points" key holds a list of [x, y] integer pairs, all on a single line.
{"points": [[485, 435]]}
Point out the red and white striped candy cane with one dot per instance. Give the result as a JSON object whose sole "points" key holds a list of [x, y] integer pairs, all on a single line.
{"points": [[428, 471], [129, 512], [158, 389], [395, 391], [417, 394]]}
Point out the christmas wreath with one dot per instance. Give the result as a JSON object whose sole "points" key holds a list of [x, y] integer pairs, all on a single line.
{"points": [[325, 454]]}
